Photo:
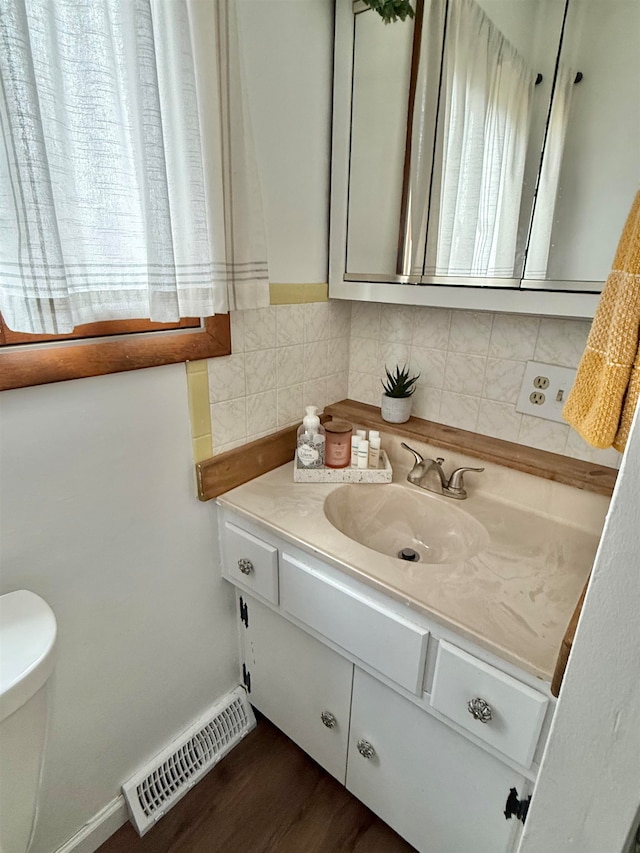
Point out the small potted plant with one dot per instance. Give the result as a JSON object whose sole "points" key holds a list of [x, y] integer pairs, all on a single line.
{"points": [[398, 389]]}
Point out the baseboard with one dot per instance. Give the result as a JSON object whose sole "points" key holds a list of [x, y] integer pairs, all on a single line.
{"points": [[98, 829]]}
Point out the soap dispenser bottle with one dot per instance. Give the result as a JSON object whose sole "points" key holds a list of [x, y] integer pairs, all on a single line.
{"points": [[311, 441]]}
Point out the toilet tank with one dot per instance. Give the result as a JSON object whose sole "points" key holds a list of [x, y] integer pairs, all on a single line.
{"points": [[27, 657]]}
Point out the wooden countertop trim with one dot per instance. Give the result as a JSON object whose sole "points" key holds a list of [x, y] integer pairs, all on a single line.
{"points": [[220, 473], [541, 463], [565, 646], [217, 475]]}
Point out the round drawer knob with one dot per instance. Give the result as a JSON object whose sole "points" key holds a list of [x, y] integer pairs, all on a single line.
{"points": [[245, 566], [328, 719], [365, 749], [480, 709]]}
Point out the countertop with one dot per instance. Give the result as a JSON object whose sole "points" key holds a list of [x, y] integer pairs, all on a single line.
{"points": [[514, 598]]}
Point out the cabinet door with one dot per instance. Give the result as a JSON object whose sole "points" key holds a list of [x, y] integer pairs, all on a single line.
{"points": [[302, 686], [435, 788]]}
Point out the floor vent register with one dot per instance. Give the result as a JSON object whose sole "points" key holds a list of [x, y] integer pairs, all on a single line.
{"points": [[167, 778]]}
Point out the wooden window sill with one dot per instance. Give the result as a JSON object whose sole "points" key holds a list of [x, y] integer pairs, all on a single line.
{"points": [[126, 347]]}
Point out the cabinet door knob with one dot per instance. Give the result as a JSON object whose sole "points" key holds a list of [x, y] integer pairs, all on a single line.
{"points": [[245, 566], [328, 719], [480, 709], [365, 749]]}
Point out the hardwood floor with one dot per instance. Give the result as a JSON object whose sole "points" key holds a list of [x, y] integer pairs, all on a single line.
{"points": [[266, 796]]}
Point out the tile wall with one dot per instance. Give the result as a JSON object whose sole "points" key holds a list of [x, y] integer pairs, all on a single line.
{"points": [[283, 358], [470, 363], [471, 366]]}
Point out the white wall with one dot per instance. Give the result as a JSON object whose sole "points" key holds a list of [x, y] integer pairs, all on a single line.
{"points": [[587, 796], [288, 52], [98, 515], [600, 164]]}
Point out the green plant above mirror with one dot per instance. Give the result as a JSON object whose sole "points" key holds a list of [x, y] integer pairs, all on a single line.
{"points": [[391, 10], [399, 383]]}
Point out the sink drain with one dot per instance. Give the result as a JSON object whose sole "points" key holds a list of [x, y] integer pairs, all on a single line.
{"points": [[409, 555]]}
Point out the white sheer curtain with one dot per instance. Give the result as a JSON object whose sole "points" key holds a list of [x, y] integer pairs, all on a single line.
{"points": [[423, 130], [549, 180], [488, 90], [127, 183]]}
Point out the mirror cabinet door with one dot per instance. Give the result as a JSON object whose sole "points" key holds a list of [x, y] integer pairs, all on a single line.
{"points": [[381, 75], [589, 178], [493, 141]]}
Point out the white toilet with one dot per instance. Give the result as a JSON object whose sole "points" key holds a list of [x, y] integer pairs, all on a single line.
{"points": [[27, 645]]}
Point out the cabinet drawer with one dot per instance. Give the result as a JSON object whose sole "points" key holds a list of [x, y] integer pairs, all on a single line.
{"points": [[249, 562], [516, 710], [393, 646]]}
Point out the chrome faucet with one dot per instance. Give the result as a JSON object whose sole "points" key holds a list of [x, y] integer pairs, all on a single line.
{"points": [[428, 474]]}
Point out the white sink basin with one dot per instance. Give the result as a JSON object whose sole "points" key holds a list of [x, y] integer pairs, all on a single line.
{"points": [[392, 519]]}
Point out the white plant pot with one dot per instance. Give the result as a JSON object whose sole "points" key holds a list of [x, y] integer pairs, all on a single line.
{"points": [[395, 410]]}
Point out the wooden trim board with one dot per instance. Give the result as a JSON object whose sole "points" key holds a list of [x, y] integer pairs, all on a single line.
{"points": [[565, 646], [217, 475], [228, 470], [541, 463], [22, 365]]}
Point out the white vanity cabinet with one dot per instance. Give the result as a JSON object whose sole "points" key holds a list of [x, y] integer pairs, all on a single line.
{"points": [[378, 696], [438, 790], [298, 683]]}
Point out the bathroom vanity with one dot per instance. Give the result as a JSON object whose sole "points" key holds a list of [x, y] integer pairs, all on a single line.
{"points": [[423, 687]]}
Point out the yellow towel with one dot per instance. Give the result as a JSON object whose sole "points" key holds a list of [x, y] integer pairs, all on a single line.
{"points": [[603, 399]]}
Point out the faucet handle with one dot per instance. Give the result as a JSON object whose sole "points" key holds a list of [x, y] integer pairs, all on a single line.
{"points": [[455, 487], [418, 457]]}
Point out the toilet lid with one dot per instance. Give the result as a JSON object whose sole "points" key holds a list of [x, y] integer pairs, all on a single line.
{"points": [[27, 645]]}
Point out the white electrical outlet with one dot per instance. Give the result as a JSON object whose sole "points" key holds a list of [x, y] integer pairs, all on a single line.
{"points": [[544, 390]]}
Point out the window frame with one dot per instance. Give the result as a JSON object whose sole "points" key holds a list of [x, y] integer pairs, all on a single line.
{"points": [[27, 364]]}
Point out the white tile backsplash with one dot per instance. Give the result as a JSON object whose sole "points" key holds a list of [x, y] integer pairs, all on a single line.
{"points": [[365, 320], [396, 324], [290, 404], [470, 332], [227, 377], [502, 379], [514, 336], [464, 374], [259, 328], [317, 325], [430, 364], [459, 410], [262, 413], [228, 421], [290, 365], [289, 325], [543, 434], [284, 358], [561, 341], [316, 357], [261, 370], [499, 420], [471, 365], [431, 328]]}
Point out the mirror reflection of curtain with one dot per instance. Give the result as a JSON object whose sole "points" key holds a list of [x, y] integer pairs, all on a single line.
{"points": [[423, 129], [548, 183], [486, 121]]}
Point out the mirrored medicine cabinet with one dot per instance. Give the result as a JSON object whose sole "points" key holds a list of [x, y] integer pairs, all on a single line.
{"points": [[485, 153]]}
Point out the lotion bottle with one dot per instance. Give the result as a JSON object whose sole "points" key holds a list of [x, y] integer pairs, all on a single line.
{"points": [[311, 440], [374, 450]]}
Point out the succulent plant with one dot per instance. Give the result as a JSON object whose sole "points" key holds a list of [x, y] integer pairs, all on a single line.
{"points": [[391, 10], [399, 383]]}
